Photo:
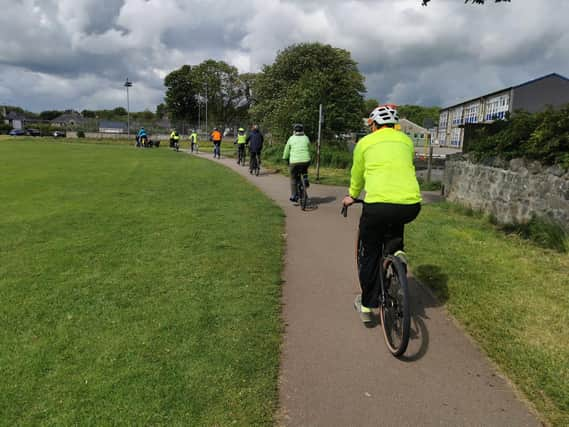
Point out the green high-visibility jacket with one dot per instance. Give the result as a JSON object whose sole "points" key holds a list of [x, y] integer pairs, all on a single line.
{"points": [[383, 167], [194, 137], [297, 149], [241, 139]]}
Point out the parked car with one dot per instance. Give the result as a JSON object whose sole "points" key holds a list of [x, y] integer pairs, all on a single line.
{"points": [[17, 132], [33, 132], [59, 134]]}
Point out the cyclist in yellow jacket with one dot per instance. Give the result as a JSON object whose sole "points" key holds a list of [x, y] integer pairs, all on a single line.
{"points": [[383, 167]]}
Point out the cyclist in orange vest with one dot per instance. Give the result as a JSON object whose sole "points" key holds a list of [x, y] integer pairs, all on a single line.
{"points": [[215, 137]]}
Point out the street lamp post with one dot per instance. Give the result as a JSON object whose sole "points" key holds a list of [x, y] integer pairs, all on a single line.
{"points": [[206, 128], [127, 84]]}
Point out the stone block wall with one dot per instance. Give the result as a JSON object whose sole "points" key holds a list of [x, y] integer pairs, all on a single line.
{"points": [[511, 191]]}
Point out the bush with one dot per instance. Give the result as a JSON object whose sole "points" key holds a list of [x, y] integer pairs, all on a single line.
{"points": [[332, 157], [80, 134], [5, 128], [543, 137]]}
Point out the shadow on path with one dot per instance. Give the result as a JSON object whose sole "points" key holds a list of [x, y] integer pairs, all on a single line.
{"points": [[322, 200], [421, 298]]}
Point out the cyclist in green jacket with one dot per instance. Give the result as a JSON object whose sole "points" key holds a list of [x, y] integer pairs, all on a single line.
{"points": [[383, 167], [297, 152]]}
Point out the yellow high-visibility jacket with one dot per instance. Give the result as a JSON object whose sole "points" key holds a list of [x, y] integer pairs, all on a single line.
{"points": [[383, 167]]}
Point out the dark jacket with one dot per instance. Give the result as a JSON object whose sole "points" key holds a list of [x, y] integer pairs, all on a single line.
{"points": [[255, 141]]}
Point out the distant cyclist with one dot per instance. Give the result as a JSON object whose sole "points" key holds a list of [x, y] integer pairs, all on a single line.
{"points": [[241, 142], [297, 152], [175, 140], [193, 141], [383, 167], [255, 140], [216, 137], [141, 138]]}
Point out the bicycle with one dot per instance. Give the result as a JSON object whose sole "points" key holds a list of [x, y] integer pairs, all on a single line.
{"points": [[301, 192], [241, 155], [254, 167], [394, 299]]}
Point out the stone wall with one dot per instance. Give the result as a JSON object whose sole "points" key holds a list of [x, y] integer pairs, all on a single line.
{"points": [[511, 191]]}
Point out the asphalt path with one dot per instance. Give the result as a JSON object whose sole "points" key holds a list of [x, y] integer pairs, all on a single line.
{"points": [[336, 372]]}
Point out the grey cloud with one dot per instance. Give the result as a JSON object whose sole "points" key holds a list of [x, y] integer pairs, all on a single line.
{"points": [[77, 53]]}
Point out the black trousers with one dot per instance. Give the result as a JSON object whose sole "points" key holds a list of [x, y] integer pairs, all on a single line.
{"points": [[296, 170], [380, 222]]}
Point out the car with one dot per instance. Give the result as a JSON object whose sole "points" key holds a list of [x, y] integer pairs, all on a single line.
{"points": [[17, 132], [33, 132], [59, 134]]}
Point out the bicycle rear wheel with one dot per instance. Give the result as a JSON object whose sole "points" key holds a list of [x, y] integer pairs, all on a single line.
{"points": [[395, 309], [303, 197]]}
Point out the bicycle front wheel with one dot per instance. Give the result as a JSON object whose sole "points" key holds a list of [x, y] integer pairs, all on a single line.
{"points": [[395, 309]]}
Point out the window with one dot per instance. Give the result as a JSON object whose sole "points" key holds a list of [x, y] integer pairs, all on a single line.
{"points": [[471, 113], [457, 116], [497, 107], [422, 136], [455, 137], [443, 120]]}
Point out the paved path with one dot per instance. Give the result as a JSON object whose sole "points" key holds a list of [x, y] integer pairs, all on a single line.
{"points": [[335, 372]]}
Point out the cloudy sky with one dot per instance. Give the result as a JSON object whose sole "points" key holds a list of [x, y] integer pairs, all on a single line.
{"points": [[57, 54]]}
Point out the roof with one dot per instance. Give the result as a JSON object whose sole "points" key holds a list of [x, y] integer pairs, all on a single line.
{"points": [[67, 117], [508, 88], [13, 115], [108, 124], [404, 121]]}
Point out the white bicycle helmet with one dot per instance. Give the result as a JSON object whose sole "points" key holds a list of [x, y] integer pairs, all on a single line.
{"points": [[384, 115]]}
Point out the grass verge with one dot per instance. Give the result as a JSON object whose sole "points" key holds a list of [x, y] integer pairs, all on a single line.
{"points": [[510, 295], [128, 292]]}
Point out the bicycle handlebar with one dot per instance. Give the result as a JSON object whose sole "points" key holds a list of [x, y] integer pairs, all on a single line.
{"points": [[344, 210]]}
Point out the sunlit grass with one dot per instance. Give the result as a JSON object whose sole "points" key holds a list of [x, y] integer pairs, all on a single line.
{"points": [[511, 296], [135, 289]]}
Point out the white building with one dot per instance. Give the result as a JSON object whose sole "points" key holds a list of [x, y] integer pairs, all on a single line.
{"points": [[532, 96]]}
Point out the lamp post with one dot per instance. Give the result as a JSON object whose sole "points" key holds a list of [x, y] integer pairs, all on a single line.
{"points": [[127, 84], [206, 128]]}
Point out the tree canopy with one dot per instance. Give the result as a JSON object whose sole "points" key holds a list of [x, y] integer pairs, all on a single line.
{"points": [[228, 95], [417, 114], [302, 77]]}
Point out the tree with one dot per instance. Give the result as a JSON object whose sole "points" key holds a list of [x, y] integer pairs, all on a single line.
{"points": [[88, 114], [417, 114], [181, 94], [227, 95], [302, 77], [368, 106], [50, 114], [426, 2], [161, 110], [120, 111]]}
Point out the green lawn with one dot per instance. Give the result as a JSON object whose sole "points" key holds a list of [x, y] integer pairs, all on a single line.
{"points": [[136, 287], [511, 296]]}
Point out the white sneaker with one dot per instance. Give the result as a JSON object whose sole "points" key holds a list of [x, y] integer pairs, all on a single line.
{"points": [[366, 316]]}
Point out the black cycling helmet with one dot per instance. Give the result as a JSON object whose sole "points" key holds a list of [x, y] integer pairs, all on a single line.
{"points": [[298, 127]]}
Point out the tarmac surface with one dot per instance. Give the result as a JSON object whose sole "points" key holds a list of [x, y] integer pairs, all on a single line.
{"points": [[336, 372]]}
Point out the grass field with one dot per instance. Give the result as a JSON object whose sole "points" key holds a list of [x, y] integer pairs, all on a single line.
{"points": [[136, 287], [510, 295]]}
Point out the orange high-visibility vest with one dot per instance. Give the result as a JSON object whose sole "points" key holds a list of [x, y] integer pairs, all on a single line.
{"points": [[216, 135]]}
